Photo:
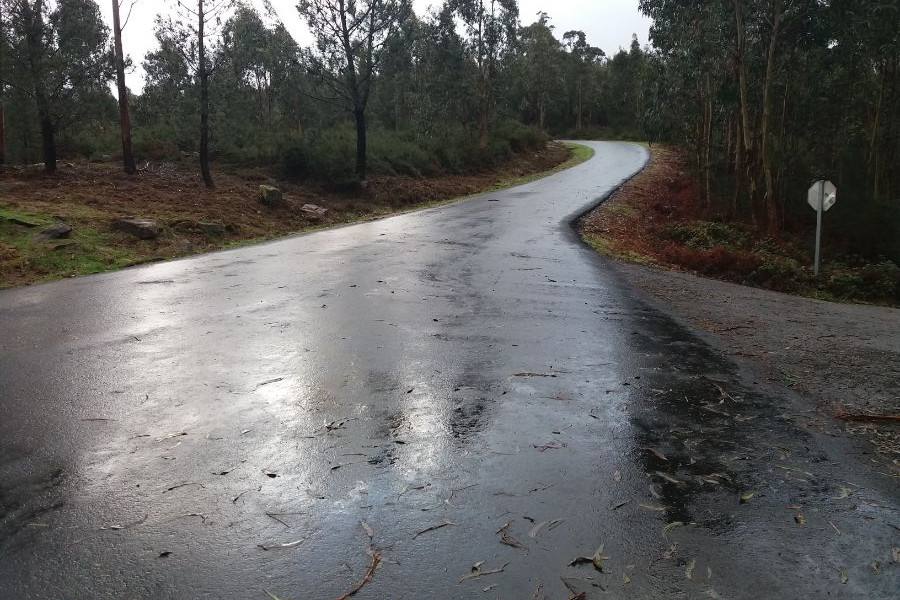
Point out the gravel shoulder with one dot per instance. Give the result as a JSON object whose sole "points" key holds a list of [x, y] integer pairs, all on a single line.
{"points": [[843, 359]]}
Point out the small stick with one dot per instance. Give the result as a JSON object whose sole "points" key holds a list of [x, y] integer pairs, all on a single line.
{"points": [[376, 558]]}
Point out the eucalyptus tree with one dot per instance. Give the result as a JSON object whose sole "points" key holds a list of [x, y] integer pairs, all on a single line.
{"points": [[583, 58], [193, 28], [124, 117], [491, 29], [351, 38]]}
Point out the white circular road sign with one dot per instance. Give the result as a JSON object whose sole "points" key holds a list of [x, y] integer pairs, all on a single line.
{"points": [[824, 192]]}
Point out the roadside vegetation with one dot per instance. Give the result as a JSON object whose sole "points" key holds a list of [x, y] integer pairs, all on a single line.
{"points": [[658, 219], [762, 98]]}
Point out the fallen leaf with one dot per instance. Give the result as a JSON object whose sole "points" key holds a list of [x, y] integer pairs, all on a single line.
{"points": [[181, 485], [657, 453], [843, 575], [271, 595], [596, 560], [617, 477], [477, 572], [493, 585], [275, 546], [653, 507], [165, 554], [537, 528], [876, 566], [433, 527], [368, 529], [550, 446], [845, 493], [670, 527], [271, 474], [895, 555], [800, 519], [689, 570], [268, 381], [625, 579], [667, 477], [746, 496], [505, 538]]}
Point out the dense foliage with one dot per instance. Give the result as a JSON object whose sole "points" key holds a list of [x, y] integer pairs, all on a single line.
{"points": [[767, 95], [450, 91], [772, 95]]}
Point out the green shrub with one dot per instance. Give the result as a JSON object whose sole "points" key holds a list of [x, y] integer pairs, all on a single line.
{"points": [[705, 235]]}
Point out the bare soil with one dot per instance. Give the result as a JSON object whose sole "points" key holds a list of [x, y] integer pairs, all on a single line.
{"points": [[843, 358], [88, 196]]}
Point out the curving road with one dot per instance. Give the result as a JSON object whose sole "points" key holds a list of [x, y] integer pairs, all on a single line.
{"points": [[262, 422]]}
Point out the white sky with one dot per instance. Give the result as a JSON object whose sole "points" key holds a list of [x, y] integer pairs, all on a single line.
{"points": [[608, 24]]}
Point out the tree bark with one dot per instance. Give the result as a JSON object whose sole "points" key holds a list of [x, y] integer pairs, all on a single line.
{"points": [[359, 115], [772, 221], [124, 119], [203, 74], [740, 67], [34, 24]]}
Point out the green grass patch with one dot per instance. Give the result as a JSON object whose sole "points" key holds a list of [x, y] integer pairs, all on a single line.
{"points": [[85, 251]]}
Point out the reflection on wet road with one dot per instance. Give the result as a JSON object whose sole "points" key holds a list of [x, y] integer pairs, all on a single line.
{"points": [[263, 422]]}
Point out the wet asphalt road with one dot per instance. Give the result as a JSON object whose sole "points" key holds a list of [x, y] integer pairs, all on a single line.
{"points": [[348, 389]]}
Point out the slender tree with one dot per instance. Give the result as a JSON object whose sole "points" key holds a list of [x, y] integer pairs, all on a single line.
{"points": [[351, 36], [124, 118], [193, 29]]}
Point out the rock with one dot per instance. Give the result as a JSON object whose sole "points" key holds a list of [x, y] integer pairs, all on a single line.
{"points": [[139, 228], [184, 246], [205, 227], [16, 221], [314, 209], [54, 232], [270, 196]]}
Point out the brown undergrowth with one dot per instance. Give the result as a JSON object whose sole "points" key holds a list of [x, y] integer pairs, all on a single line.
{"points": [[88, 196], [657, 218]]}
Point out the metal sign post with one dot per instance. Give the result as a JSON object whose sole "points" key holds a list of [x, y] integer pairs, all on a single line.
{"points": [[821, 196]]}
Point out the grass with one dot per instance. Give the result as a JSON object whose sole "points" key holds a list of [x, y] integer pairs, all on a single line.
{"points": [[85, 251]]}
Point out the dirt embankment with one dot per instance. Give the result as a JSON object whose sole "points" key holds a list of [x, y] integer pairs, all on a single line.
{"points": [[844, 358], [88, 196]]}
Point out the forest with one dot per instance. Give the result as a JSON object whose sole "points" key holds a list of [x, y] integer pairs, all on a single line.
{"points": [[763, 96]]}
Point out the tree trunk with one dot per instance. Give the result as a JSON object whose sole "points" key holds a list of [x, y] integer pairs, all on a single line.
{"points": [[34, 25], [766, 150], [48, 140], [2, 134], [740, 67], [2, 103], [124, 119], [204, 99], [360, 117], [738, 167], [579, 124]]}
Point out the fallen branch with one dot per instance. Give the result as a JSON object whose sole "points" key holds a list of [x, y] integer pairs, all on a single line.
{"points": [[376, 558], [845, 415]]}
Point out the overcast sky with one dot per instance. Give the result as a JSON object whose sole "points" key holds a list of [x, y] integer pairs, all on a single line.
{"points": [[608, 24]]}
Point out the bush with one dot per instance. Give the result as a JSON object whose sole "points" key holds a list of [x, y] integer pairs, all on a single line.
{"points": [[705, 235], [877, 282]]}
